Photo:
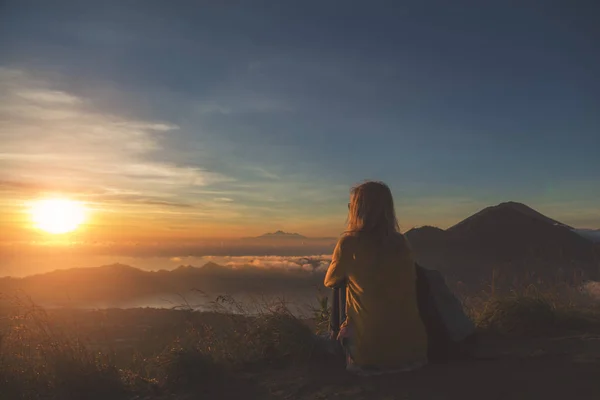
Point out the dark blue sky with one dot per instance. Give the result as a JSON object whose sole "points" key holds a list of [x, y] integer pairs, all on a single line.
{"points": [[283, 105]]}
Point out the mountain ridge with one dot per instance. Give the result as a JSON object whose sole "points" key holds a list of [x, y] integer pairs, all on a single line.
{"points": [[281, 234], [93, 284], [510, 237], [513, 205], [591, 234]]}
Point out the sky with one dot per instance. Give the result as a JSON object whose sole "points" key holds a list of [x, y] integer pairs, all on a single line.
{"points": [[189, 119]]}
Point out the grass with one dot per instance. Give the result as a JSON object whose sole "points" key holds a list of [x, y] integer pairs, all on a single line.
{"points": [[534, 310], [44, 355], [38, 359], [149, 353]]}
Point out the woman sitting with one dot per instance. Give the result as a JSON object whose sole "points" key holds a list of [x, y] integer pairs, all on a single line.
{"points": [[383, 331]]}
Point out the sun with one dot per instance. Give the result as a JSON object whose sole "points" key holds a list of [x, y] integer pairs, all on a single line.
{"points": [[57, 215]]}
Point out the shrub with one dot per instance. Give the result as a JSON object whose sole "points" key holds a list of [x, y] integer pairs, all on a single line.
{"points": [[271, 337], [534, 312]]}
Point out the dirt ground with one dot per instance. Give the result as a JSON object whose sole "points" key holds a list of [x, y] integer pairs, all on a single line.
{"points": [[545, 368]]}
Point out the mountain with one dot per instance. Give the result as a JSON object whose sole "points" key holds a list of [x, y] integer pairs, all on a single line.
{"points": [[512, 239], [590, 234], [117, 284], [294, 243], [281, 235], [433, 247], [512, 206]]}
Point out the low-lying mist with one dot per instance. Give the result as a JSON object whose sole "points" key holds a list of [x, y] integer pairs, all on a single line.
{"points": [[23, 259]]}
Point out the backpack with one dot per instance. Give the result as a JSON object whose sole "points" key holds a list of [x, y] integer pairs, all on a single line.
{"points": [[451, 333]]}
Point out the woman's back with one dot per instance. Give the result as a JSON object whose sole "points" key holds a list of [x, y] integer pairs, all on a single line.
{"points": [[383, 317]]}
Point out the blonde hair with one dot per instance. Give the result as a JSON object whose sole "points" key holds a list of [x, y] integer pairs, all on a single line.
{"points": [[371, 210]]}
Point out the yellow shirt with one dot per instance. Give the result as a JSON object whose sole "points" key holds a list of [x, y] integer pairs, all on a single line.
{"points": [[381, 300]]}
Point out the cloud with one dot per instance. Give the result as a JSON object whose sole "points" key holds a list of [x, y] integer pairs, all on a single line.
{"points": [[308, 263], [52, 138], [140, 199], [21, 260], [48, 97], [55, 141]]}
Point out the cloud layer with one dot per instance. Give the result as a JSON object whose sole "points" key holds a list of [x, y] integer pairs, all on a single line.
{"points": [[56, 140], [307, 263]]}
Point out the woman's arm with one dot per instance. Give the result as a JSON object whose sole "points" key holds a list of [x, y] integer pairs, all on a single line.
{"points": [[338, 269]]}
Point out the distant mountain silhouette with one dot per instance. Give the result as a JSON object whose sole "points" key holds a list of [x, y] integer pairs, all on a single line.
{"points": [[279, 238], [511, 238], [281, 235], [114, 284]]}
